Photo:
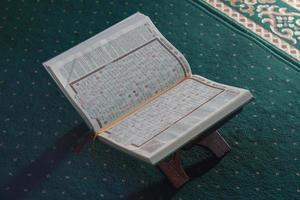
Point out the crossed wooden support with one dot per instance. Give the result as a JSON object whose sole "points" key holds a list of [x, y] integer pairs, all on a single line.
{"points": [[173, 169]]}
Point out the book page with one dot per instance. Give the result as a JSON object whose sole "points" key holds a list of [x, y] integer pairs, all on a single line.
{"points": [[105, 52], [121, 85], [109, 74], [163, 112], [174, 118]]}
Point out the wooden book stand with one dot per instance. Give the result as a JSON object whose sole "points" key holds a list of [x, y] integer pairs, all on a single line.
{"points": [[210, 139], [172, 169]]}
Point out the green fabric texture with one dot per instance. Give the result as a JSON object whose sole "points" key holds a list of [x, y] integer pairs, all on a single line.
{"points": [[258, 18], [39, 128]]}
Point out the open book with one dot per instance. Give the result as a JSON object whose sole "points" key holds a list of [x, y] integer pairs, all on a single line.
{"points": [[137, 92]]}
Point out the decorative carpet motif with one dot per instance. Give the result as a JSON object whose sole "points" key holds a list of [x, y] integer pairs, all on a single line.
{"points": [[39, 129], [293, 3], [274, 21]]}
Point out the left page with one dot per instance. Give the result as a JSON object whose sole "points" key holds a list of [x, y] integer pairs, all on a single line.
{"points": [[116, 70]]}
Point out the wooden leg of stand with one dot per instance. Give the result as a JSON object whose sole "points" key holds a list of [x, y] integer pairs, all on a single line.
{"points": [[215, 143], [174, 170]]}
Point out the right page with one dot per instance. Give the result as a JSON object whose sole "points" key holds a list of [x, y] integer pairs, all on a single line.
{"points": [[175, 117]]}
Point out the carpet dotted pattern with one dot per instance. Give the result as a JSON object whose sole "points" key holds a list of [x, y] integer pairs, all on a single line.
{"points": [[39, 129]]}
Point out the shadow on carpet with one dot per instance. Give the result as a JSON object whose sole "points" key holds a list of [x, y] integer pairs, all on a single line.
{"points": [[44, 164]]}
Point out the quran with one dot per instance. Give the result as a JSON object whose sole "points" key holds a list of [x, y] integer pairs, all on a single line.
{"points": [[136, 91]]}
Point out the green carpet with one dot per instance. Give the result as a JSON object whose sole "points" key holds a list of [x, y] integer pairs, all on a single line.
{"points": [[39, 128], [276, 24]]}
